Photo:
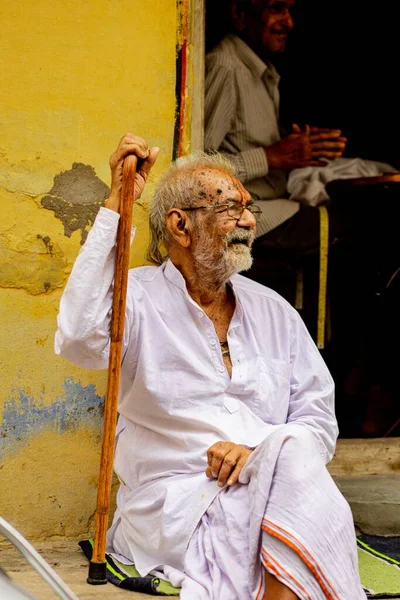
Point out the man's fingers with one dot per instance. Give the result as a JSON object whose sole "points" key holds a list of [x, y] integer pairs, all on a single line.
{"points": [[225, 461], [325, 154], [324, 130], [332, 135], [328, 146], [209, 473], [147, 164], [130, 138], [216, 464], [216, 455], [228, 465], [132, 148], [153, 155], [234, 477], [132, 144]]}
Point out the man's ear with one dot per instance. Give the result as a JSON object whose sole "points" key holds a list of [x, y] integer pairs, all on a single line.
{"points": [[237, 16], [179, 227]]}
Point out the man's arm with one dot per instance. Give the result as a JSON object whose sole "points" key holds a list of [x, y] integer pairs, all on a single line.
{"points": [[219, 118], [311, 403], [85, 309]]}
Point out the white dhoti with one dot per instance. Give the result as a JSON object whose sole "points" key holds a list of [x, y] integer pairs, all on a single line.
{"points": [[287, 516]]}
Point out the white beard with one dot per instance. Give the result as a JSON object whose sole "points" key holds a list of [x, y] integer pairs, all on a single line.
{"points": [[234, 258], [238, 258]]}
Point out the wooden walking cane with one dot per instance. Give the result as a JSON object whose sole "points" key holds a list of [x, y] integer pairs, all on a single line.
{"points": [[98, 565]]}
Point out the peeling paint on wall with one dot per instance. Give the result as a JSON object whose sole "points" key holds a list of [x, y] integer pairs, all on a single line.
{"points": [[76, 197], [23, 416]]}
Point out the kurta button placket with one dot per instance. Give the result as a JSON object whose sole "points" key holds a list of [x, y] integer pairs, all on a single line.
{"points": [[231, 404]]}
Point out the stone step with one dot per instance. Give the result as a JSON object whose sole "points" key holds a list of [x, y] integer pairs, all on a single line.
{"points": [[374, 501], [367, 472]]}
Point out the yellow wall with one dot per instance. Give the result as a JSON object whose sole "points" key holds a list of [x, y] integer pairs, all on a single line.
{"points": [[75, 76]]}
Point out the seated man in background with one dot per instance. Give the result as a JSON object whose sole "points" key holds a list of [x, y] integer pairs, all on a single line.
{"points": [[242, 110], [226, 406], [242, 122]]}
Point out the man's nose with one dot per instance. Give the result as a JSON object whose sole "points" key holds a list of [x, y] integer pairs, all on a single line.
{"points": [[287, 19], [247, 220]]}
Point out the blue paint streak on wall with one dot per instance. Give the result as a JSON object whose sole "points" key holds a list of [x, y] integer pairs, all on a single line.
{"points": [[23, 416]]}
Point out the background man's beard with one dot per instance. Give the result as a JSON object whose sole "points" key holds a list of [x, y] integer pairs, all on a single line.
{"points": [[231, 259]]}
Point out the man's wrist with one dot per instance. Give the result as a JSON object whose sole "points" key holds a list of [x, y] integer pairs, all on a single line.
{"points": [[112, 203], [269, 153]]}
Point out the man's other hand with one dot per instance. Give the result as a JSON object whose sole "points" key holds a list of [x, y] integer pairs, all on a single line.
{"points": [[225, 462], [306, 148], [130, 144]]}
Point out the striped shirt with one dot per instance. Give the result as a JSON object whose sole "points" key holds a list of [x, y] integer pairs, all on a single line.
{"points": [[241, 119]]}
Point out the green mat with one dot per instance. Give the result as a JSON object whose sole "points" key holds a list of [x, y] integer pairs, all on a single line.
{"points": [[379, 563], [128, 578]]}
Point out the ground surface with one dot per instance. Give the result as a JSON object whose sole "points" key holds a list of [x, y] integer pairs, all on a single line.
{"points": [[72, 566], [69, 562], [367, 472]]}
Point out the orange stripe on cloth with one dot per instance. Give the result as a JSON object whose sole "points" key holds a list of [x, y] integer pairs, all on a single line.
{"points": [[261, 588], [273, 571], [302, 552], [270, 560], [311, 558]]}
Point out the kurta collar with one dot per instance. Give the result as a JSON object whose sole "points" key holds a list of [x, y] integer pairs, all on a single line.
{"points": [[253, 62], [175, 277]]}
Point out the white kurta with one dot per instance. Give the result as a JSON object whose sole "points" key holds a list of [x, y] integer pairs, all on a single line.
{"points": [[177, 398]]}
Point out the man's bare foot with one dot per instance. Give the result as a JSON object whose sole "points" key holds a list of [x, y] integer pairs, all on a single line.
{"points": [[277, 591]]}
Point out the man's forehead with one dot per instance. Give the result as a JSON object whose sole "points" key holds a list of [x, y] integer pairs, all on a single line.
{"points": [[215, 176], [216, 184]]}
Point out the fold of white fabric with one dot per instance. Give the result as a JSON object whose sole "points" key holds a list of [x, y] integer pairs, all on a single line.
{"points": [[287, 516], [307, 185]]}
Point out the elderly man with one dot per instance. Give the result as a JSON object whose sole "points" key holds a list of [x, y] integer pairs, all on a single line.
{"points": [[226, 407]]}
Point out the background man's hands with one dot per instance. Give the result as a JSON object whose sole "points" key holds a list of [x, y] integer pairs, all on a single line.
{"points": [[306, 148], [225, 462], [130, 144]]}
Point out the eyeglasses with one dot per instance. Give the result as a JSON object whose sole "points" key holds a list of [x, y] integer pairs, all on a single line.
{"points": [[234, 209]]}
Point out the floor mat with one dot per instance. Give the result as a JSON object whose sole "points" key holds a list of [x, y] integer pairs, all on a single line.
{"points": [[379, 563], [128, 578]]}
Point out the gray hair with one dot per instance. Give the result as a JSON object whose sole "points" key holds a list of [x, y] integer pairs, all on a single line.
{"points": [[175, 188]]}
